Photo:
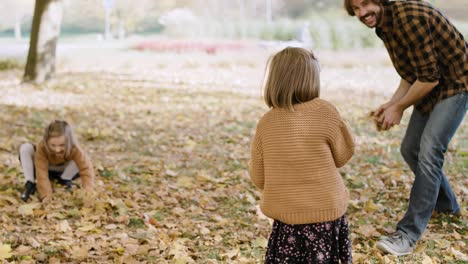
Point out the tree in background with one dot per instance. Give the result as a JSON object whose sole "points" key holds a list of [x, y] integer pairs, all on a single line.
{"points": [[40, 65], [17, 11], [129, 15]]}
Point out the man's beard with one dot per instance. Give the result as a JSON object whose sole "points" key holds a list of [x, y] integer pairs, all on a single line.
{"points": [[378, 18]]}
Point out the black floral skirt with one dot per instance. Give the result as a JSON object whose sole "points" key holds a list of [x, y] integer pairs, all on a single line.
{"points": [[326, 242]]}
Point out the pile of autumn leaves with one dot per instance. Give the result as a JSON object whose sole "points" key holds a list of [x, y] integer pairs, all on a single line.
{"points": [[172, 182]]}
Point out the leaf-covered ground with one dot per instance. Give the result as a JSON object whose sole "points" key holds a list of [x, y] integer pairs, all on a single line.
{"points": [[169, 137]]}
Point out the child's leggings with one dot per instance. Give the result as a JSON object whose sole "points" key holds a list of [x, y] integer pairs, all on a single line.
{"points": [[68, 170]]}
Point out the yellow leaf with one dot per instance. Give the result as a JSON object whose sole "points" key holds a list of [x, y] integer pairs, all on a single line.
{"points": [[443, 243], [370, 206], [387, 260], [5, 251], [28, 209], [260, 242], [459, 255], [179, 251], [190, 145], [120, 250], [231, 253], [358, 257], [9, 199], [185, 182], [427, 260], [183, 260], [87, 227]]}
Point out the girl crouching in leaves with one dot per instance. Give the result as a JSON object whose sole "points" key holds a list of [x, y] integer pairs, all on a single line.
{"points": [[57, 157], [298, 146]]}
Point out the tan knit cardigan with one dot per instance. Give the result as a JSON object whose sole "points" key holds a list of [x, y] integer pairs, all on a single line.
{"points": [[294, 161], [41, 163]]}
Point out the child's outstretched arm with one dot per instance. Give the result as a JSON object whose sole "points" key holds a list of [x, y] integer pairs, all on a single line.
{"points": [[256, 163], [85, 166], [41, 164], [342, 143]]}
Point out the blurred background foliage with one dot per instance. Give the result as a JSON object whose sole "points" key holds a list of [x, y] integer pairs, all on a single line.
{"points": [[326, 21]]}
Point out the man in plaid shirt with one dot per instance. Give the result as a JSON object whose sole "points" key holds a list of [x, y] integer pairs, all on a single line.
{"points": [[431, 56]]}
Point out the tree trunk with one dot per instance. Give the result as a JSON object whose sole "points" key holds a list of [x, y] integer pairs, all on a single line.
{"points": [[45, 31], [18, 27], [268, 11], [107, 26]]}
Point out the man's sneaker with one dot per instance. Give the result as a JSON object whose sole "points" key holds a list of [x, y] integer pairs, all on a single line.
{"points": [[30, 188], [396, 244]]}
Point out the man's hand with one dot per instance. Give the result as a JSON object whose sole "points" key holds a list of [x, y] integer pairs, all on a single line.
{"points": [[382, 108], [390, 117], [378, 113]]}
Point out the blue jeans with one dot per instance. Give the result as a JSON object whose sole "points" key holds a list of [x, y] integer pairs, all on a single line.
{"points": [[423, 148]]}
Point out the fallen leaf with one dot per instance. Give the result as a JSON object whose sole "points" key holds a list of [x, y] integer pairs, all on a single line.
{"points": [[87, 227], [79, 253], [458, 255], [11, 200], [367, 230], [260, 242], [22, 249], [370, 206], [231, 253], [358, 257], [28, 209], [427, 260], [204, 231], [178, 249], [64, 226], [5, 251], [185, 182], [33, 242]]}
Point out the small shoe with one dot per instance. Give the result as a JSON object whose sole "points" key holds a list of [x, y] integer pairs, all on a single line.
{"points": [[30, 188], [396, 244], [68, 185]]}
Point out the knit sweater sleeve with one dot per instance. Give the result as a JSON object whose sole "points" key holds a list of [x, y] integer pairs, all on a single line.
{"points": [[41, 165], [256, 162], [85, 166], [341, 141]]}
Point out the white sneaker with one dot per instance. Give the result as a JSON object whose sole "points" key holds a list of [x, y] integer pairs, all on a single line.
{"points": [[396, 244]]}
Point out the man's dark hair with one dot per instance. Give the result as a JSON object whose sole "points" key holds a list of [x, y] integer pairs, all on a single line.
{"points": [[349, 9]]}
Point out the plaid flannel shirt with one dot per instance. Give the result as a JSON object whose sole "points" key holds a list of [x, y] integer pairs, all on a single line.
{"points": [[423, 45]]}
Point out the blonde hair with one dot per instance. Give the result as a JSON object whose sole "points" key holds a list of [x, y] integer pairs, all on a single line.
{"points": [[292, 77], [59, 128]]}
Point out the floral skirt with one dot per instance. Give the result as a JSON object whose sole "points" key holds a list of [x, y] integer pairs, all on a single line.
{"points": [[326, 242]]}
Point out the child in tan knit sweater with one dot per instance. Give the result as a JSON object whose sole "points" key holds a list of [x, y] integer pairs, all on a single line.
{"points": [[57, 157], [298, 146]]}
